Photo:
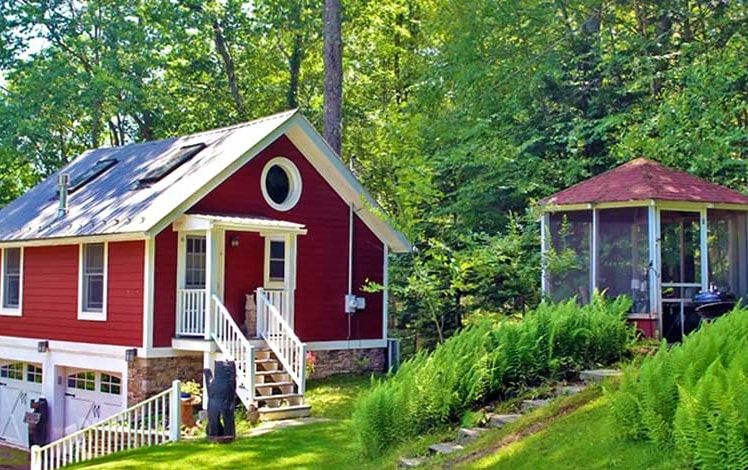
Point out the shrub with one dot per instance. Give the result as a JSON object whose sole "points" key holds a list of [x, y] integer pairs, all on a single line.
{"points": [[486, 361], [691, 397]]}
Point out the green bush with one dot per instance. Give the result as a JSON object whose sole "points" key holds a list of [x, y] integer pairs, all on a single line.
{"points": [[691, 397], [486, 361]]}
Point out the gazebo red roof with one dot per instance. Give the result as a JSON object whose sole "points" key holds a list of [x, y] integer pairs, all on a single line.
{"points": [[643, 179]]}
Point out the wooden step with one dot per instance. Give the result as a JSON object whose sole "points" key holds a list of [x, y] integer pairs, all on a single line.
{"points": [[286, 412], [266, 376]]}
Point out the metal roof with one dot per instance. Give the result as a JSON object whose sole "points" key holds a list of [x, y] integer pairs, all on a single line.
{"points": [[115, 204]]}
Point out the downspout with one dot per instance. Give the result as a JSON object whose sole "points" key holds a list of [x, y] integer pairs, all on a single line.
{"points": [[350, 252]]}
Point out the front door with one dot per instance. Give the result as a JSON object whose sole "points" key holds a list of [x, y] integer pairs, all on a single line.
{"points": [[681, 271]]}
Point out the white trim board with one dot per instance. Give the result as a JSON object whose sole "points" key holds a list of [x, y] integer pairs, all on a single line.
{"points": [[352, 344]]}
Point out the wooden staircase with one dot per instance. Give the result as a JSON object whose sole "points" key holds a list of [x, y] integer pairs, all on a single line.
{"points": [[276, 394]]}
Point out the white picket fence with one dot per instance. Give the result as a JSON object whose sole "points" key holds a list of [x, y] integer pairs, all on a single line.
{"points": [[281, 339], [235, 347], [151, 422]]}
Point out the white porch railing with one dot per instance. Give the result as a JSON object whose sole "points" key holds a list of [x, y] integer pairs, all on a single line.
{"points": [[282, 301], [151, 422], [281, 339], [235, 347], [190, 312]]}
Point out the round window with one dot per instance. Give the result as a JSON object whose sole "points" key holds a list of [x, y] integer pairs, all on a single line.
{"points": [[281, 184]]}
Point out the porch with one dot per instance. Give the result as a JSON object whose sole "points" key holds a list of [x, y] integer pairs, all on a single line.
{"points": [[234, 301]]}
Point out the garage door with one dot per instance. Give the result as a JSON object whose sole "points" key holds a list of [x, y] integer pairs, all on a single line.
{"points": [[91, 396], [19, 384]]}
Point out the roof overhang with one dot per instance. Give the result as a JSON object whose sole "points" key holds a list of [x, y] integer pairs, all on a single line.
{"points": [[669, 205], [204, 222]]}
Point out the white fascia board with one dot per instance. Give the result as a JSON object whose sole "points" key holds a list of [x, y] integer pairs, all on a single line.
{"points": [[114, 237], [339, 177], [88, 349], [352, 344]]}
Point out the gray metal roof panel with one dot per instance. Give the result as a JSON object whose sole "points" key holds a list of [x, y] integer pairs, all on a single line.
{"points": [[112, 203]]}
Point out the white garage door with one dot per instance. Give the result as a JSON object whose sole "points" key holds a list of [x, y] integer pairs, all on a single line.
{"points": [[90, 397], [19, 384]]}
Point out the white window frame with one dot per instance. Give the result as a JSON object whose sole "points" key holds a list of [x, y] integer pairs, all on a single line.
{"points": [[11, 311], [274, 283], [294, 184], [89, 314]]}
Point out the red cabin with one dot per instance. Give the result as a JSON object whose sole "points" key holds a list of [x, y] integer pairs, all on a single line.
{"points": [[137, 265]]}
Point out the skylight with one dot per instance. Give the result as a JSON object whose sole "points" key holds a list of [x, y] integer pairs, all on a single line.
{"points": [[171, 163], [99, 167]]}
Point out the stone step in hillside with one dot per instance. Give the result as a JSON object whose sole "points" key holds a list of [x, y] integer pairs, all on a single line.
{"points": [[467, 435], [497, 420], [566, 390], [412, 462], [445, 448], [598, 375], [529, 405]]}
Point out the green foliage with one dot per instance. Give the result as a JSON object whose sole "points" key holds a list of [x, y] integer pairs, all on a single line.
{"points": [[488, 360], [690, 397]]}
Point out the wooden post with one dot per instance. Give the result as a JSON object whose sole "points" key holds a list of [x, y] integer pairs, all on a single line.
{"points": [[36, 458]]}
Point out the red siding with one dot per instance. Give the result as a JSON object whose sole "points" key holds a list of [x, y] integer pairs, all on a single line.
{"points": [[165, 288], [322, 264], [50, 297]]}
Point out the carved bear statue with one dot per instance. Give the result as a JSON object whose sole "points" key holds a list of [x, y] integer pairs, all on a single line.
{"points": [[221, 399]]}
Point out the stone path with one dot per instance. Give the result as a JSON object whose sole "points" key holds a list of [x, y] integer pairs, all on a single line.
{"points": [[494, 420]]}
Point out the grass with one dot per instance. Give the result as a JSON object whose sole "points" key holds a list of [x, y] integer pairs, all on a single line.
{"points": [[13, 459], [585, 439]]}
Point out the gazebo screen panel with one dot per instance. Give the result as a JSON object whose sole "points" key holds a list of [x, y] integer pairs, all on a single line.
{"points": [[568, 262]]}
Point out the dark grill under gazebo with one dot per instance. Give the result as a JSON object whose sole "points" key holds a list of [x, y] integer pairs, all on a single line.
{"points": [[656, 234]]}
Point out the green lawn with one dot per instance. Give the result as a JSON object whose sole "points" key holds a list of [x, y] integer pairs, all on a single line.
{"points": [[583, 439], [323, 445]]}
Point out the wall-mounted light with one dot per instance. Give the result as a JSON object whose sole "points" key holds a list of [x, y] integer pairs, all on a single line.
{"points": [[235, 241], [42, 346], [130, 354]]}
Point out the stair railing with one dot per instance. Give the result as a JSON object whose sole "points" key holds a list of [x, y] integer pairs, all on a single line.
{"points": [[281, 339], [235, 347], [151, 422]]}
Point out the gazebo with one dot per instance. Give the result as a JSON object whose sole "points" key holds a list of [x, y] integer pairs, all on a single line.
{"points": [[656, 234]]}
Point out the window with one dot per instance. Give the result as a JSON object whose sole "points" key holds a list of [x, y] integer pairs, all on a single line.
{"points": [[275, 263], [170, 163], [281, 184], [12, 371], [194, 262], [82, 380], [12, 278], [33, 374], [93, 281], [110, 384]]}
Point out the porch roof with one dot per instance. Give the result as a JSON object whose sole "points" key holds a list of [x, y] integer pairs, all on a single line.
{"points": [[645, 180], [237, 222]]}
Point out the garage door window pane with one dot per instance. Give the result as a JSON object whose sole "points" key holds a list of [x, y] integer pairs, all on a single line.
{"points": [[110, 384], [82, 381], [34, 374], [12, 371]]}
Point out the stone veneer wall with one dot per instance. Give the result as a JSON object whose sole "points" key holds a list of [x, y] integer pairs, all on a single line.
{"points": [[346, 361], [147, 377]]}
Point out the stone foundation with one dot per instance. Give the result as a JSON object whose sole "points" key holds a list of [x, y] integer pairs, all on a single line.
{"points": [[347, 361], [147, 377]]}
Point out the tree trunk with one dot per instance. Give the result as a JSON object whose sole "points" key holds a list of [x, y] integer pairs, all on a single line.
{"points": [[228, 65], [333, 59]]}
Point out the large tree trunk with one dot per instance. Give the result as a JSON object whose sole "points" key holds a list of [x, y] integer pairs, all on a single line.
{"points": [[333, 58], [228, 66]]}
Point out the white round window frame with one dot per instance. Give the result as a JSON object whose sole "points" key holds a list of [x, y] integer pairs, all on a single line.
{"points": [[294, 183]]}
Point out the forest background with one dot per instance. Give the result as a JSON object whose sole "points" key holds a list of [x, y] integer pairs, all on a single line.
{"points": [[459, 115]]}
